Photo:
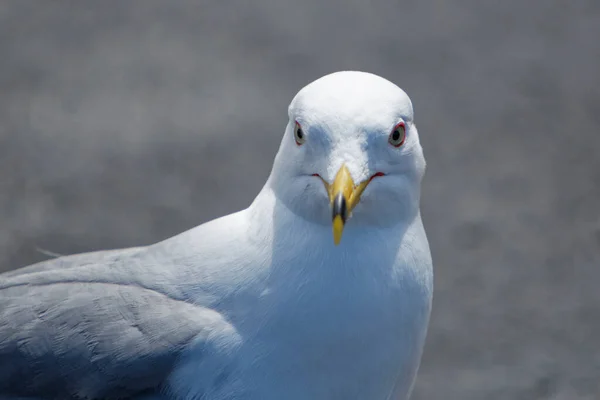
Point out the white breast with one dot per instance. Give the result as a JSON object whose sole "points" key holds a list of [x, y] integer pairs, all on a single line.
{"points": [[342, 325], [317, 322]]}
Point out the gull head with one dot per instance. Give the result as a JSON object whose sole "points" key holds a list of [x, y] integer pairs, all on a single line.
{"points": [[350, 155]]}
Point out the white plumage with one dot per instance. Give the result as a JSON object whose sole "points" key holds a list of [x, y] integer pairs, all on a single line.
{"points": [[259, 304]]}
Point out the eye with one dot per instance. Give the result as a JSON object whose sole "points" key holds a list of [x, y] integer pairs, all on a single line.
{"points": [[299, 134], [398, 135]]}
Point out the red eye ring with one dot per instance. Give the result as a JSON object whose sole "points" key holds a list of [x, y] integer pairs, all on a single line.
{"points": [[299, 135], [398, 135]]}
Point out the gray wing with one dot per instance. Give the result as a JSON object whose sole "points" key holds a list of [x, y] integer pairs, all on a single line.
{"points": [[67, 338]]}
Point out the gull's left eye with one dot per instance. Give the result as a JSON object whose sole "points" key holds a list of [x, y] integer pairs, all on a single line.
{"points": [[398, 135], [299, 134]]}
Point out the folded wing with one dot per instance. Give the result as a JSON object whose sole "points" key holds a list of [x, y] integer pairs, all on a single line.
{"points": [[67, 338]]}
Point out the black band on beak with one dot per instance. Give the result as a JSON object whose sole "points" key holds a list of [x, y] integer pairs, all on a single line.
{"points": [[340, 207]]}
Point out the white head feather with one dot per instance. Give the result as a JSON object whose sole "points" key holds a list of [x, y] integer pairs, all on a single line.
{"points": [[346, 118]]}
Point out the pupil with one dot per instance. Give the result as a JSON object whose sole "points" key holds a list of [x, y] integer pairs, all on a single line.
{"points": [[396, 135], [300, 133]]}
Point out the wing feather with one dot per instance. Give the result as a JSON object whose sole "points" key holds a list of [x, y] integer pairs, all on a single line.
{"points": [[69, 338]]}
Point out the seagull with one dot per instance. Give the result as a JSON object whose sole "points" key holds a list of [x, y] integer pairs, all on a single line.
{"points": [[320, 289]]}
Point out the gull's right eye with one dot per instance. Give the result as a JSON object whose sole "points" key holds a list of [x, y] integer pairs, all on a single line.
{"points": [[299, 134]]}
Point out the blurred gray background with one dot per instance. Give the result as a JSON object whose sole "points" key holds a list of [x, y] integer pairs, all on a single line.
{"points": [[125, 122]]}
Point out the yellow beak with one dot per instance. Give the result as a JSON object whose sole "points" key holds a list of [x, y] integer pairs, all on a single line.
{"points": [[344, 195]]}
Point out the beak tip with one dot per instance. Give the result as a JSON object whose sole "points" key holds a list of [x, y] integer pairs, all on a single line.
{"points": [[338, 227]]}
